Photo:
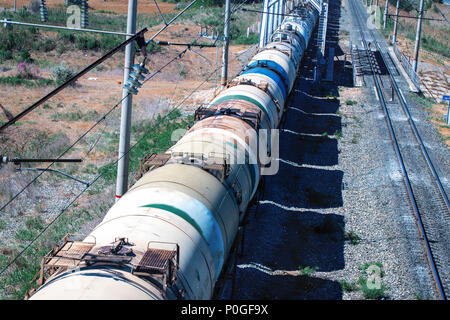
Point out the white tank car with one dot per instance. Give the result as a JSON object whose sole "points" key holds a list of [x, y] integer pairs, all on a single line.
{"points": [[169, 236]]}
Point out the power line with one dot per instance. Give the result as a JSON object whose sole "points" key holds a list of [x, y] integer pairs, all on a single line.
{"points": [[271, 13], [111, 164], [62, 154], [106, 115], [85, 133], [139, 34], [170, 22], [410, 17], [72, 79], [442, 14]]}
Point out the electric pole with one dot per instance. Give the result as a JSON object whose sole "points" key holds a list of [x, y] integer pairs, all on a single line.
{"points": [[226, 40], [418, 34], [125, 121], [386, 9], [376, 8], [394, 37]]}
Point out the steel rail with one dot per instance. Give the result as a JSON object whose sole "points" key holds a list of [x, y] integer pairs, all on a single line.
{"points": [[413, 126], [397, 150]]}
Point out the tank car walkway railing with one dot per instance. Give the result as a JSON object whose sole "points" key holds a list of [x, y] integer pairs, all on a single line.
{"points": [[271, 18], [321, 40], [322, 29]]}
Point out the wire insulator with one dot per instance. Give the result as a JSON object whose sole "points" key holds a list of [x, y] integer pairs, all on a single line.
{"points": [[84, 13], [136, 75], [43, 11]]}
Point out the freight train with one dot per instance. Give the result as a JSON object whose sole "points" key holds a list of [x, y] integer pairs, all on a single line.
{"points": [[170, 234]]}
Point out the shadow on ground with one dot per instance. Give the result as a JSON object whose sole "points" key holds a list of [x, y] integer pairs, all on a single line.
{"points": [[288, 236]]}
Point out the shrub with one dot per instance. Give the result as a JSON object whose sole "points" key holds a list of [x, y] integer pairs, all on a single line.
{"points": [[16, 80], [243, 39], [307, 270], [48, 45], [25, 235], [62, 73], [372, 293], [352, 237], [27, 71], [35, 223], [348, 286], [5, 55], [24, 56]]}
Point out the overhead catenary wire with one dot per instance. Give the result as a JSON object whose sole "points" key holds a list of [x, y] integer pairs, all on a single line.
{"points": [[54, 92], [72, 80], [442, 14], [411, 17], [270, 13], [111, 164], [84, 134], [97, 62], [107, 114], [178, 56]]}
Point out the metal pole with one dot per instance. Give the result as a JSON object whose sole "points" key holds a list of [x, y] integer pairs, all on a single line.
{"points": [[125, 122], [278, 13], [269, 23], [262, 29], [418, 34], [226, 40], [386, 9], [397, 9], [376, 9], [217, 62], [448, 114]]}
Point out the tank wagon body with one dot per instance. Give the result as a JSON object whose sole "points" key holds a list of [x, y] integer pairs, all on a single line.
{"points": [[168, 237]]}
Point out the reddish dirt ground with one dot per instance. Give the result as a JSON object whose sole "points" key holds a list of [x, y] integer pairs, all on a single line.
{"points": [[100, 89], [119, 6]]}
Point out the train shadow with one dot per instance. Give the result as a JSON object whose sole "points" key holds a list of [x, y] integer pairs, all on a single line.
{"points": [[292, 235], [290, 238]]}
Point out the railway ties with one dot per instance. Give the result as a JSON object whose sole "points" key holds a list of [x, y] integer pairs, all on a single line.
{"points": [[426, 195], [361, 65]]}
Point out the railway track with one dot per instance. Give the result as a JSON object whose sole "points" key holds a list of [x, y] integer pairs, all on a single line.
{"points": [[426, 194]]}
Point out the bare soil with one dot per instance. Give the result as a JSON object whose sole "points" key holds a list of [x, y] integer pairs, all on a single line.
{"points": [[118, 6]]}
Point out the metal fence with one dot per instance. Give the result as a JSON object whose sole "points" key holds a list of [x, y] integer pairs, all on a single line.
{"points": [[408, 67], [410, 71], [273, 14]]}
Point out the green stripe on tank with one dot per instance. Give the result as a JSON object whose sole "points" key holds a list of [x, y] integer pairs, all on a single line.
{"points": [[177, 212], [241, 97]]}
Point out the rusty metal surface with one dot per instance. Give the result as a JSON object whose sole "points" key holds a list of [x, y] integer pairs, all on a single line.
{"points": [[243, 106], [156, 260], [70, 254]]}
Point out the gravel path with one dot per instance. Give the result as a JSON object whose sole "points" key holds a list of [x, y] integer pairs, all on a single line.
{"points": [[339, 182]]}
